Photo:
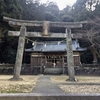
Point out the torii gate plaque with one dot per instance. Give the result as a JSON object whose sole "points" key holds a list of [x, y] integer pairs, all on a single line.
{"points": [[46, 26]]}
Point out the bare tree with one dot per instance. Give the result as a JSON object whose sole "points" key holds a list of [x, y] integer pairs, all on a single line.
{"points": [[93, 35]]}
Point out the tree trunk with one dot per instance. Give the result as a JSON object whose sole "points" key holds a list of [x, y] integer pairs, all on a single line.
{"points": [[94, 56], [19, 56]]}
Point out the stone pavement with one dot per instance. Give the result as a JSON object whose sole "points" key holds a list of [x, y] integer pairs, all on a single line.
{"points": [[45, 86]]}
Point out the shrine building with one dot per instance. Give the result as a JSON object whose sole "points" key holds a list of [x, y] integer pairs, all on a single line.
{"points": [[51, 56]]}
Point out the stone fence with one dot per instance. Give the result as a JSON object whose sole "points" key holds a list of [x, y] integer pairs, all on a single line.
{"points": [[9, 68], [90, 65], [27, 69], [32, 96]]}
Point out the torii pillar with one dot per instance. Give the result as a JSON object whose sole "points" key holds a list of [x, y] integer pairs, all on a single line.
{"points": [[19, 56], [70, 60]]}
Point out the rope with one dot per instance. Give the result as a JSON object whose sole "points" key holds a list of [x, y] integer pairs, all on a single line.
{"points": [[60, 42], [44, 43]]}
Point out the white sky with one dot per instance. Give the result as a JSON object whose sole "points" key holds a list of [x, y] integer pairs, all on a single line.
{"points": [[61, 3]]}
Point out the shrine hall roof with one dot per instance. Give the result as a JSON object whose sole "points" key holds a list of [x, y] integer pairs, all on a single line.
{"points": [[54, 46]]}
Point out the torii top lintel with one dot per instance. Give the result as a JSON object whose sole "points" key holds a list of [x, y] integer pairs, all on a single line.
{"points": [[16, 22]]}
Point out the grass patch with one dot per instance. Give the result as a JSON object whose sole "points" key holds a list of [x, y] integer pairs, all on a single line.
{"points": [[81, 79], [25, 86], [17, 88]]}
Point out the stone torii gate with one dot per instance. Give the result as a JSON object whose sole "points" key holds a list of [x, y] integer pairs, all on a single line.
{"points": [[47, 34]]}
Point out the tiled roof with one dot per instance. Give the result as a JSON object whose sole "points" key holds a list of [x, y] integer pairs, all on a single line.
{"points": [[54, 46]]}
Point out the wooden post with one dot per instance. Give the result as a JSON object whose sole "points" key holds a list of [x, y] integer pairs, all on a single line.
{"points": [[63, 64], [70, 56], [19, 56], [41, 66]]}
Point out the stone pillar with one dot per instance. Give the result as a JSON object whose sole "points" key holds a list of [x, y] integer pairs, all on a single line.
{"points": [[19, 56], [70, 61]]}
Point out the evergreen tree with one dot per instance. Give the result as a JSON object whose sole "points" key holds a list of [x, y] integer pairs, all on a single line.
{"points": [[13, 9], [52, 12]]}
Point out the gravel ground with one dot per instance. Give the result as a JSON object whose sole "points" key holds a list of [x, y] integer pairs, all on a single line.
{"points": [[80, 88], [85, 84]]}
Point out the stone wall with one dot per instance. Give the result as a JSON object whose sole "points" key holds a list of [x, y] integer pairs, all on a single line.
{"points": [[31, 96], [31, 70], [87, 71]]}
